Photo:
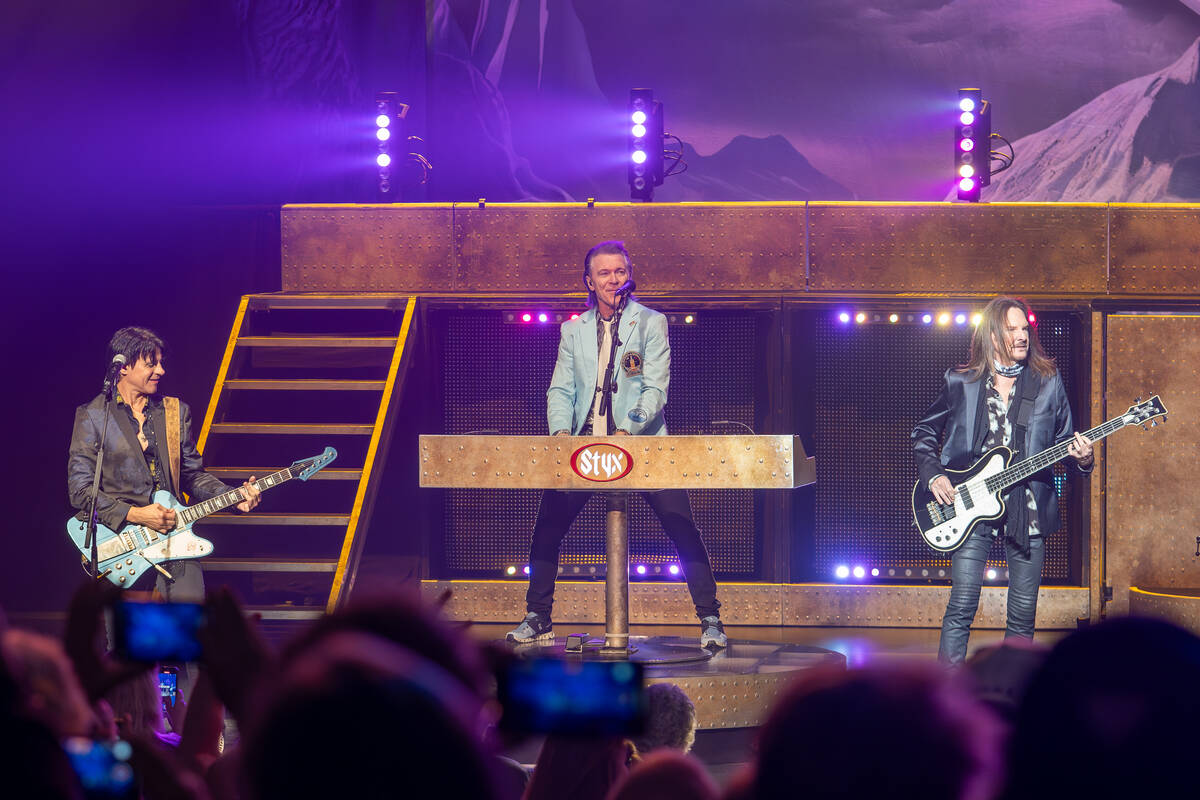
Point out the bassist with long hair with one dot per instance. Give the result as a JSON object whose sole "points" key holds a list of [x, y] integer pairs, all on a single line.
{"points": [[1009, 394]]}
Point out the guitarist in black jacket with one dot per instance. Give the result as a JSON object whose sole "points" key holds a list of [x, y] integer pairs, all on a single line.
{"points": [[148, 447], [1008, 394]]}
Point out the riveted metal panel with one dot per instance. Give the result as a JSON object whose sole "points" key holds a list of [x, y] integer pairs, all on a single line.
{"points": [[646, 462], [918, 606], [725, 701], [961, 249], [1151, 518], [1155, 249], [756, 604], [675, 246], [351, 248], [1177, 607]]}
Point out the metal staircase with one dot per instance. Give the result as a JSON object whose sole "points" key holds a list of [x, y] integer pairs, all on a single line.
{"points": [[301, 372]]}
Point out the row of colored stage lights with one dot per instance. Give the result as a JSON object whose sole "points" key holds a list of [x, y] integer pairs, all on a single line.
{"points": [[844, 572], [545, 317], [636, 571], [942, 318]]}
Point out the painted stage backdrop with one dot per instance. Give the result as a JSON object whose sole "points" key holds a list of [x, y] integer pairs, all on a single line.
{"points": [[770, 99]]}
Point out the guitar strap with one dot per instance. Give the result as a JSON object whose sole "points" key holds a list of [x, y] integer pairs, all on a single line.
{"points": [[1017, 523], [171, 406]]}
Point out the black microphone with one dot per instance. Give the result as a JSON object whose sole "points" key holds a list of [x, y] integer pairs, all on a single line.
{"points": [[113, 368], [627, 288]]}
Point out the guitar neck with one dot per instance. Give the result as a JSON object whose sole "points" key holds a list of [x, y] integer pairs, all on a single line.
{"points": [[232, 497], [1019, 472]]}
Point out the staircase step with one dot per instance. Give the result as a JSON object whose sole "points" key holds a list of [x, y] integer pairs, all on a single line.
{"points": [[323, 302], [305, 385], [244, 473], [290, 429], [263, 565], [388, 342], [255, 518]]}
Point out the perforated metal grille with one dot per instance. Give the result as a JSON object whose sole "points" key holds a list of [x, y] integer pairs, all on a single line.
{"points": [[495, 379], [873, 383]]}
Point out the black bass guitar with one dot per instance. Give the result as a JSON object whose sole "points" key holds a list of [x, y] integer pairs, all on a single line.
{"points": [[980, 486]]}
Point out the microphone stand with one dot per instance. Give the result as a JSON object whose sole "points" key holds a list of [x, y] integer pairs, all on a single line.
{"points": [[609, 387], [89, 541]]}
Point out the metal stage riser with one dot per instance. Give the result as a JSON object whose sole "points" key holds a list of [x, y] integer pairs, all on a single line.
{"points": [[826, 605]]}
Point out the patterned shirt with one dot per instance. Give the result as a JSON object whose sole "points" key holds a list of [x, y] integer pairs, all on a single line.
{"points": [[147, 430], [1000, 433]]}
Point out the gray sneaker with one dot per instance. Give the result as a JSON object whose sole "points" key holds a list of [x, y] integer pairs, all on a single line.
{"points": [[712, 633], [534, 628]]}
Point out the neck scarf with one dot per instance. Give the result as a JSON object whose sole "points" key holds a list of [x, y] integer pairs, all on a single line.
{"points": [[1008, 372]]}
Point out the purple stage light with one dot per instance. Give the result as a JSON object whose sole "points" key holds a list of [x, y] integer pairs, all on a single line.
{"points": [[527, 317], [874, 572], [860, 572], [841, 572], [844, 317], [526, 570], [966, 118], [673, 569], [639, 118], [991, 574], [966, 171], [639, 156], [383, 134], [967, 145], [1032, 318], [640, 569], [960, 319], [574, 316], [383, 120], [967, 184], [542, 317], [383, 159], [966, 104], [639, 131], [926, 318]]}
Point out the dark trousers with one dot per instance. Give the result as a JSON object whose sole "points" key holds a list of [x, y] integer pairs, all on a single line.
{"points": [[559, 509], [967, 566]]}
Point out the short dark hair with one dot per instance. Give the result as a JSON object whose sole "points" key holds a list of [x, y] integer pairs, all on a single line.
{"points": [[613, 247], [670, 719], [135, 344]]}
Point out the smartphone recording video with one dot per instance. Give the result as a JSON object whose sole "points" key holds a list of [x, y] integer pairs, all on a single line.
{"points": [[550, 695], [102, 768], [149, 632], [168, 686]]}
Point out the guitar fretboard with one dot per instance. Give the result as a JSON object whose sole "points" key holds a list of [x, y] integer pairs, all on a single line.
{"points": [[1019, 472], [231, 498]]}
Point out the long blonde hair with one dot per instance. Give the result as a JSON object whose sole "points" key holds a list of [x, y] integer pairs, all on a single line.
{"points": [[990, 330]]}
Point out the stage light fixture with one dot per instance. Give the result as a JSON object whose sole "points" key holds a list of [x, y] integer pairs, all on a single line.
{"points": [[860, 318], [972, 144], [527, 317], [526, 569], [1032, 318], [389, 127], [543, 318], [844, 317], [689, 319], [511, 571], [943, 319], [574, 316], [992, 574], [860, 572], [976, 319], [645, 144], [673, 569], [874, 572], [841, 572], [960, 319], [893, 318], [926, 318], [640, 569]]}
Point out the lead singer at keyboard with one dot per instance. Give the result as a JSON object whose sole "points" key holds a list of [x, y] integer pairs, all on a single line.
{"points": [[642, 372], [982, 405]]}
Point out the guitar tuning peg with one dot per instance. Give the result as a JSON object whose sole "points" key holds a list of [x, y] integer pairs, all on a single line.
{"points": [[1137, 399], [1153, 423], [1144, 427]]}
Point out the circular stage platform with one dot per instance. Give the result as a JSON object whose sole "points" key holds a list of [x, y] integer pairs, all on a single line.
{"points": [[732, 688]]}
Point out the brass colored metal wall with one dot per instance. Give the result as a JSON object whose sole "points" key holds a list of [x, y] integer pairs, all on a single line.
{"points": [[805, 604], [1155, 249], [1181, 609], [956, 248], [1056, 249], [1152, 517]]}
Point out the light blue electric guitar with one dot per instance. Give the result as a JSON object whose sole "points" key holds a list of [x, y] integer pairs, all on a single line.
{"points": [[125, 555]]}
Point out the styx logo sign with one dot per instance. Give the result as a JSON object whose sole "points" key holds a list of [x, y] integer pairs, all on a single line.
{"points": [[601, 462]]}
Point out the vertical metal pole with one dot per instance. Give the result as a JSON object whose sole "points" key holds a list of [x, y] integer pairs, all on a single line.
{"points": [[616, 580]]}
